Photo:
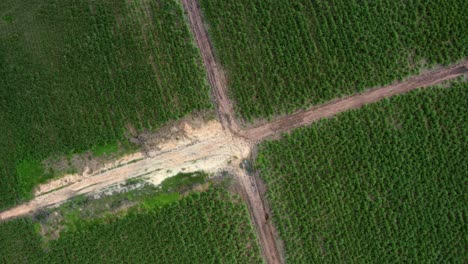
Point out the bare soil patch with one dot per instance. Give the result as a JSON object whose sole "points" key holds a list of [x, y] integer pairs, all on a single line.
{"points": [[209, 148]]}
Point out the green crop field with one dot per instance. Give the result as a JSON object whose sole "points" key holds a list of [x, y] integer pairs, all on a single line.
{"points": [[283, 55], [211, 227], [74, 74], [383, 184]]}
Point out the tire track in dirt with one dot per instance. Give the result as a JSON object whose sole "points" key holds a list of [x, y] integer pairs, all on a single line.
{"points": [[225, 110], [215, 74], [226, 144], [307, 117], [226, 115], [210, 148], [252, 191]]}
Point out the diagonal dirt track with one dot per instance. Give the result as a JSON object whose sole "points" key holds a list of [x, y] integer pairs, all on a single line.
{"points": [[226, 114], [217, 148], [307, 117], [208, 148]]}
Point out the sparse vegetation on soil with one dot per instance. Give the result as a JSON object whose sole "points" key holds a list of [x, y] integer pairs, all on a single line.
{"points": [[206, 227], [283, 55], [385, 183], [80, 75]]}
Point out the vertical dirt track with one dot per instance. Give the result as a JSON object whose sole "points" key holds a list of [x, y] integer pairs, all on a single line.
{"points": [[253, 192], [226, 143], [214, 72], [226, 116]]}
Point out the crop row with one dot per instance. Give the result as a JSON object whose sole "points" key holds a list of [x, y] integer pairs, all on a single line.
{"points": [[211, 227], [283, 55], [75, 74], [385, 183]]}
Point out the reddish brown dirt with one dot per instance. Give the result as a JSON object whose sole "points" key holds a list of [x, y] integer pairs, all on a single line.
{"points": [[252, 190], [214, 72], [226, 116], [250, 185], [259, 211], [307, 117]]}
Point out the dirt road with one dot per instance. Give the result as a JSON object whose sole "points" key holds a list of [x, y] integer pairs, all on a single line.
{"points": [[219, 146], [226, 116], [253, 194], [209, 148], [307, 117], [214, 72]]}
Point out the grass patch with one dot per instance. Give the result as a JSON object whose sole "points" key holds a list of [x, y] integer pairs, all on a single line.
{"points": [[182, 180], [160, 200], [105, 149], [136, 196], [30, 174], [8, 19]]}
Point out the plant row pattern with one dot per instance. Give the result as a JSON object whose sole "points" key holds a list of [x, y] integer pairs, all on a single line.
{"points": [[383, 184], [209, 227], [76, 74], [282, 55]]}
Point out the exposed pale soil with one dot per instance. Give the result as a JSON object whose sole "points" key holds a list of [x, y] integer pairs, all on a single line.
{"points": [[73, 178], [214, 146], [209, 148]]}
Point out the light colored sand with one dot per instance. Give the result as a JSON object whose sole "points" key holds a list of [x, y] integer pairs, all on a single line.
{"points": [[208, 148]]}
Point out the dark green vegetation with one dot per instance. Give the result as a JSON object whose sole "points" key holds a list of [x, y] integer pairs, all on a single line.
{"points": [[209, 227], [135, 195], [75, 75], [178, 182], [282, 55], [383, 184]]}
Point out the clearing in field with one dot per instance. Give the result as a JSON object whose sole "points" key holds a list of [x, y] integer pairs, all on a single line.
{"points": [[86, 75], [381, 184], [283, 55]]}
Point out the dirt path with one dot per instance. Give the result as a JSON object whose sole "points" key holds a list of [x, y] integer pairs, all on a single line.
{"points": [[226, 116], [210, 148], [253, 192], [214, 72], [307, 117], [220, 146]]}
